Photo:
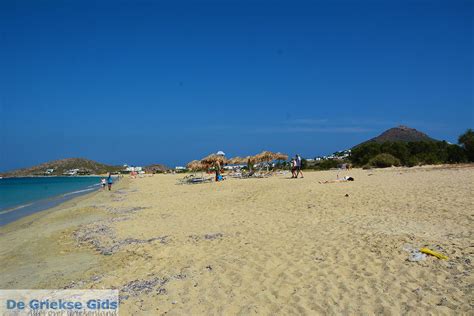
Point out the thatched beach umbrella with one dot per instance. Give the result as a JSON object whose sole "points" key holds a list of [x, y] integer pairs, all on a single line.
{"points": [[213, 159], [268, 156], [249, 158], [196, 165], [280, 156], [253, 159], [265, 156], [237, 161], [191, 164], [250, 161]]}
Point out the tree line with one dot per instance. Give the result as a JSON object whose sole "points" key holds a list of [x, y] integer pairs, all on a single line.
{"points": [[414, 153]]}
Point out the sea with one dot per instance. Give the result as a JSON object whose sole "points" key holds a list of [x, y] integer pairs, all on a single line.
{"points": [[20, 197]]}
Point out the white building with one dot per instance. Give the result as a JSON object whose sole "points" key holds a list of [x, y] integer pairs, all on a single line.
{"points": [[132, 168], [71, 172]]}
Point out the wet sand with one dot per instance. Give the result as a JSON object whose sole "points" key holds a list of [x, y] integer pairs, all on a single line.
{"points": [[259, 246]]}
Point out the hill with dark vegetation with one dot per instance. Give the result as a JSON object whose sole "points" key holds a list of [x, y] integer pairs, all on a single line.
{"points": [[404, 146], [156, 168], [59, 167], [400, 134]]}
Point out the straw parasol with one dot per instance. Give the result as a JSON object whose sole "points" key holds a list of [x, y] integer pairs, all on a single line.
{"points": [[213, 159], [280, 156], [196, 165], [265, 156], [252, 159], [237, 160]]}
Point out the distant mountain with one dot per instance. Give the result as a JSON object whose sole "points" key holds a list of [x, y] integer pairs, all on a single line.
{"points": [[79, 166], [156, 168], [400, 134]]}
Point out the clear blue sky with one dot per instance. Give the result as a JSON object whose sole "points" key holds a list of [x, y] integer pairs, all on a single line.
{"points": [[143, 82]]}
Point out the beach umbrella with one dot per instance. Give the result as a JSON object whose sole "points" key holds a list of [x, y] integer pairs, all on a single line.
{"points": [[237, 161], [280, 156], [265, 156], [250, 161], [196, 165], [214, 159], [191, 164], [268, 156], [233, 161]]}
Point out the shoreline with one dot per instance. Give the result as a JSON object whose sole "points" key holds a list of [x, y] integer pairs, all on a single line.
{"points": [[31, 218], [53, 176], [41, 243], [66, 205], [12, 214]]}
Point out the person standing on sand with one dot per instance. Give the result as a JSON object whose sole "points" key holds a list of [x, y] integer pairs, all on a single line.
{"points": [[102, 182], [293, 168], [299, 166], [218, 170], [110, 181]]}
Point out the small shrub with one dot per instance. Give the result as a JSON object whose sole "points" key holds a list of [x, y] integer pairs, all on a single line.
{"points": [[384, 161], [327, 164], [466, 140], [412, 162]]}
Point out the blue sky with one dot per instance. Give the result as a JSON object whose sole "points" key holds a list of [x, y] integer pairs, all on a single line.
{"points": [[143, 82]]}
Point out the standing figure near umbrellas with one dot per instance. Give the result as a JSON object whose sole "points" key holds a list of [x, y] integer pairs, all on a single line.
{"points": [[299, 166], [218, 170], [293, 168]]}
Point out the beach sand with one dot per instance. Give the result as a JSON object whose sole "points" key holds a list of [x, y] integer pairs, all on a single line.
{"points": [[259, 246]]}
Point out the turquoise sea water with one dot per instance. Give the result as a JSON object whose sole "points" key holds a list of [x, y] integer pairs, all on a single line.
{"points": [[22, 196]]}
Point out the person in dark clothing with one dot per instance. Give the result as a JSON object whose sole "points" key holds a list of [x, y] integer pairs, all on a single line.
{"points": [[299, 166], [110, 181]]}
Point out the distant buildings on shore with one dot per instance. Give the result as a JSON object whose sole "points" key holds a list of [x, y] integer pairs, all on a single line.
{"points": [[73, 172], [335, 156], [129, 169]]}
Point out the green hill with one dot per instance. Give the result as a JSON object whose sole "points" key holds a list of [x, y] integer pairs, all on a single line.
{"points": [[59, 167]]}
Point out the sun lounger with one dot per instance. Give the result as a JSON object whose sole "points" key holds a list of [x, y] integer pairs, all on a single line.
{"points": [[192, 179]]}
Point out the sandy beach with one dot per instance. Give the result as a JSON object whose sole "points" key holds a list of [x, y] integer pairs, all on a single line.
{"points": [[259, 246]]}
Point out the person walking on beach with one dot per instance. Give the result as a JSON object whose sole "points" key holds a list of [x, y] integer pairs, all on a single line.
{"points": [[103, 182], [299, 166], [293, 168], [110, 181]]}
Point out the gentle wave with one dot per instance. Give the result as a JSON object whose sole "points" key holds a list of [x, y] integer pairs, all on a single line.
{"points": [[26, 196], [15, 208], [29, 204], [75, 192], [91, 188]]}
